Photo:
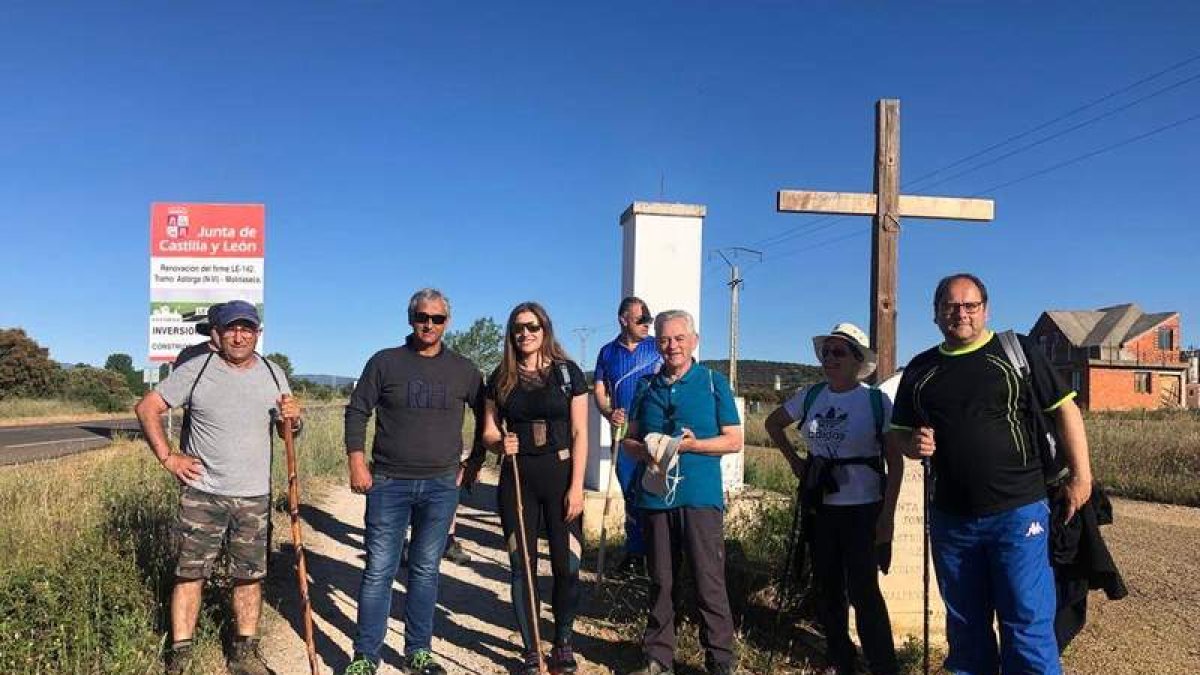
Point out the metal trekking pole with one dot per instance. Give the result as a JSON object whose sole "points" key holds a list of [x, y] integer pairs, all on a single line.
{"points": [[925, 596], [289, 445], [618, 434], [531, 590], [785, 576]]}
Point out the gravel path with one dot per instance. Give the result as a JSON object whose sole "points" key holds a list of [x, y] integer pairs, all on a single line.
{"points": [[474, 629], [1152, 631], [1155, 628]]}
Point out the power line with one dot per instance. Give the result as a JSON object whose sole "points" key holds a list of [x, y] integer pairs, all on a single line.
{"points": [[1085, 123], [999, 186], [1088, 155], [1066, 115], [810, 226]]}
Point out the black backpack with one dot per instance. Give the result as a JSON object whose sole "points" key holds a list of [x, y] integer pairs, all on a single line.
{"points": [[1045, 431]]}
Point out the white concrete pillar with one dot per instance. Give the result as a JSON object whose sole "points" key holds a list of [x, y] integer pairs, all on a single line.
{"points": [[662, 256]]}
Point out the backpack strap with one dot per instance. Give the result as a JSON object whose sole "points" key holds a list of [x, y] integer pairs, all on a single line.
{"points": [[564, 379], [877, 411], [271, 370], [1014, 352], [192, 391], [810, 397]]}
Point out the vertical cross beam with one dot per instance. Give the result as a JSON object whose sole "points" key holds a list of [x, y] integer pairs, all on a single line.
{"points": [[885, 236]]}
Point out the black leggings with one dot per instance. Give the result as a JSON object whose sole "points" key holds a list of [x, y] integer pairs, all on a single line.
{"points": [[845, 568], [544, 482]]}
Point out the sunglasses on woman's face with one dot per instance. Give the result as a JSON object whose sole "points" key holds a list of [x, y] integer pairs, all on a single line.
{"points": [[644, 320], [835, 352], [422, 317], [530, 328]]}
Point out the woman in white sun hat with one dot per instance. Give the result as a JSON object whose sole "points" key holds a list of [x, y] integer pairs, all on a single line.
{"points": [[850, 483]]}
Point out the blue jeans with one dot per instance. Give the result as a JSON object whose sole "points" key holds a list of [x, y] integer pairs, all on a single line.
{"points": [[997, 566], [391, 504], [627, 476]]}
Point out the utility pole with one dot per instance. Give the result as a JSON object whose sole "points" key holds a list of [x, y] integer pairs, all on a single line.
{"points": [[735, 283], [583, 333]]}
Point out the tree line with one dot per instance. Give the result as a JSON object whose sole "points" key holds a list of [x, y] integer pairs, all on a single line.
{"points": [[27, 371]]}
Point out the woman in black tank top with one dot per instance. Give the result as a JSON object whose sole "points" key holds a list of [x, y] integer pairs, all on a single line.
{"points": [[537, 417]]}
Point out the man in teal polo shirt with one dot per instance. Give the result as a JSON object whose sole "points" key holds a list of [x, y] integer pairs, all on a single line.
{"points": [[693, 406]]}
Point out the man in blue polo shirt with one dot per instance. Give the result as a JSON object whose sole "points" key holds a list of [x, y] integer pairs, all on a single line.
{"points": [[619, 366], [691, 408]]}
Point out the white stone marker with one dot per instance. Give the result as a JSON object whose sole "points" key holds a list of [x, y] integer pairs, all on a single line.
{"points": [[903, 587]]}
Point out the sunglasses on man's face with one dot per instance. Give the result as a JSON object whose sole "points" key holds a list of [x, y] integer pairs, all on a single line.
{"points": [[530, 328], [423, 317], [644, 320]]}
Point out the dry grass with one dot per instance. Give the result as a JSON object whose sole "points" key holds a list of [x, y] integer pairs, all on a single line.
{"points": [[20, 411], [1153, 456], [85, 560]]}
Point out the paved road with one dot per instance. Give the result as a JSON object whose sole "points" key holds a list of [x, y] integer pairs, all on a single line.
{"points": [[48, 441]]}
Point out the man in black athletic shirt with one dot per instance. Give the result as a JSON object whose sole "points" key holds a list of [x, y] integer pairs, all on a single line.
{"points": [[964, 406]]}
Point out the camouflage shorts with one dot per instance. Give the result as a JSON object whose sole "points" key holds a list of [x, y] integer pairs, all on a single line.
{"points": [[205, 520]]}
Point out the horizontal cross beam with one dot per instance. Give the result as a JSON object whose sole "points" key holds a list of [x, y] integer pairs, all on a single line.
{"points": [[860, 204]]}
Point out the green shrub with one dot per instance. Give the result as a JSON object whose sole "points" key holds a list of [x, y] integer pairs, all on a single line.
{"points": [[104, 389]]}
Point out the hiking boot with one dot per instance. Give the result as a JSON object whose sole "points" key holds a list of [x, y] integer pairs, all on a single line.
{"points": [[562, 660], [632, 566], [454, 552], [361, 665], [247, 659], [421, 662], [529, 664], [178, 660], [720, 669], [653, 667]]}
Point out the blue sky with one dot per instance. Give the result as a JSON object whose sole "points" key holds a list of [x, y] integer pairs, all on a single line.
{"points": [[489, 149]]}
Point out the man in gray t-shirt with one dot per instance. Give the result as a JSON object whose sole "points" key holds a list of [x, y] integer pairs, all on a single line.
{"points": [[233, 397]]}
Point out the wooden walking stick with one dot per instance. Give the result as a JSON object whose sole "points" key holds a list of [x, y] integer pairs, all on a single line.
{"points": [[925, 611], [618, 434], [785, 577], [531, 590], [289, 444]]}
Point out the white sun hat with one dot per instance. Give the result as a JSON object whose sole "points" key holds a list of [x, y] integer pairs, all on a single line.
{"points": [[662, 475], [854, 335]]}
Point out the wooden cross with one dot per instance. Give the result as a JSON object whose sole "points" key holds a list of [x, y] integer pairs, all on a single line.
{"points": [[887, 206]]}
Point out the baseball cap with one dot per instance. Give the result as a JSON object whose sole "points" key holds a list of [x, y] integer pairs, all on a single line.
{"points": [[236, 310]]}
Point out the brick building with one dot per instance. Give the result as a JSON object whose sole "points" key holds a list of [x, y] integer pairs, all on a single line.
{"points": [[1117, 358]]}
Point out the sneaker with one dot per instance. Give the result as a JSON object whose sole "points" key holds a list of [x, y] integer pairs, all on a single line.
{"points": [[454, 552], [421, 662], [361, 665], [632, 565], [178, 660], [653, 667], [247, 659], [562, 660]]}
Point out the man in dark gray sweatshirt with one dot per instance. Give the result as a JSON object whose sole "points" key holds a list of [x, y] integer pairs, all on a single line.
{"points": [[418, 392]]}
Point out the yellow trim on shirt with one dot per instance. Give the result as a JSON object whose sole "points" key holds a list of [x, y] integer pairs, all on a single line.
{"points": [[899, 427], [974, 346], [1068, 397]]}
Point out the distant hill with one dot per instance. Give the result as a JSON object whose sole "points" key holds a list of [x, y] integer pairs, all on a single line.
{"points": [[335, 381], [756, 379]]}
